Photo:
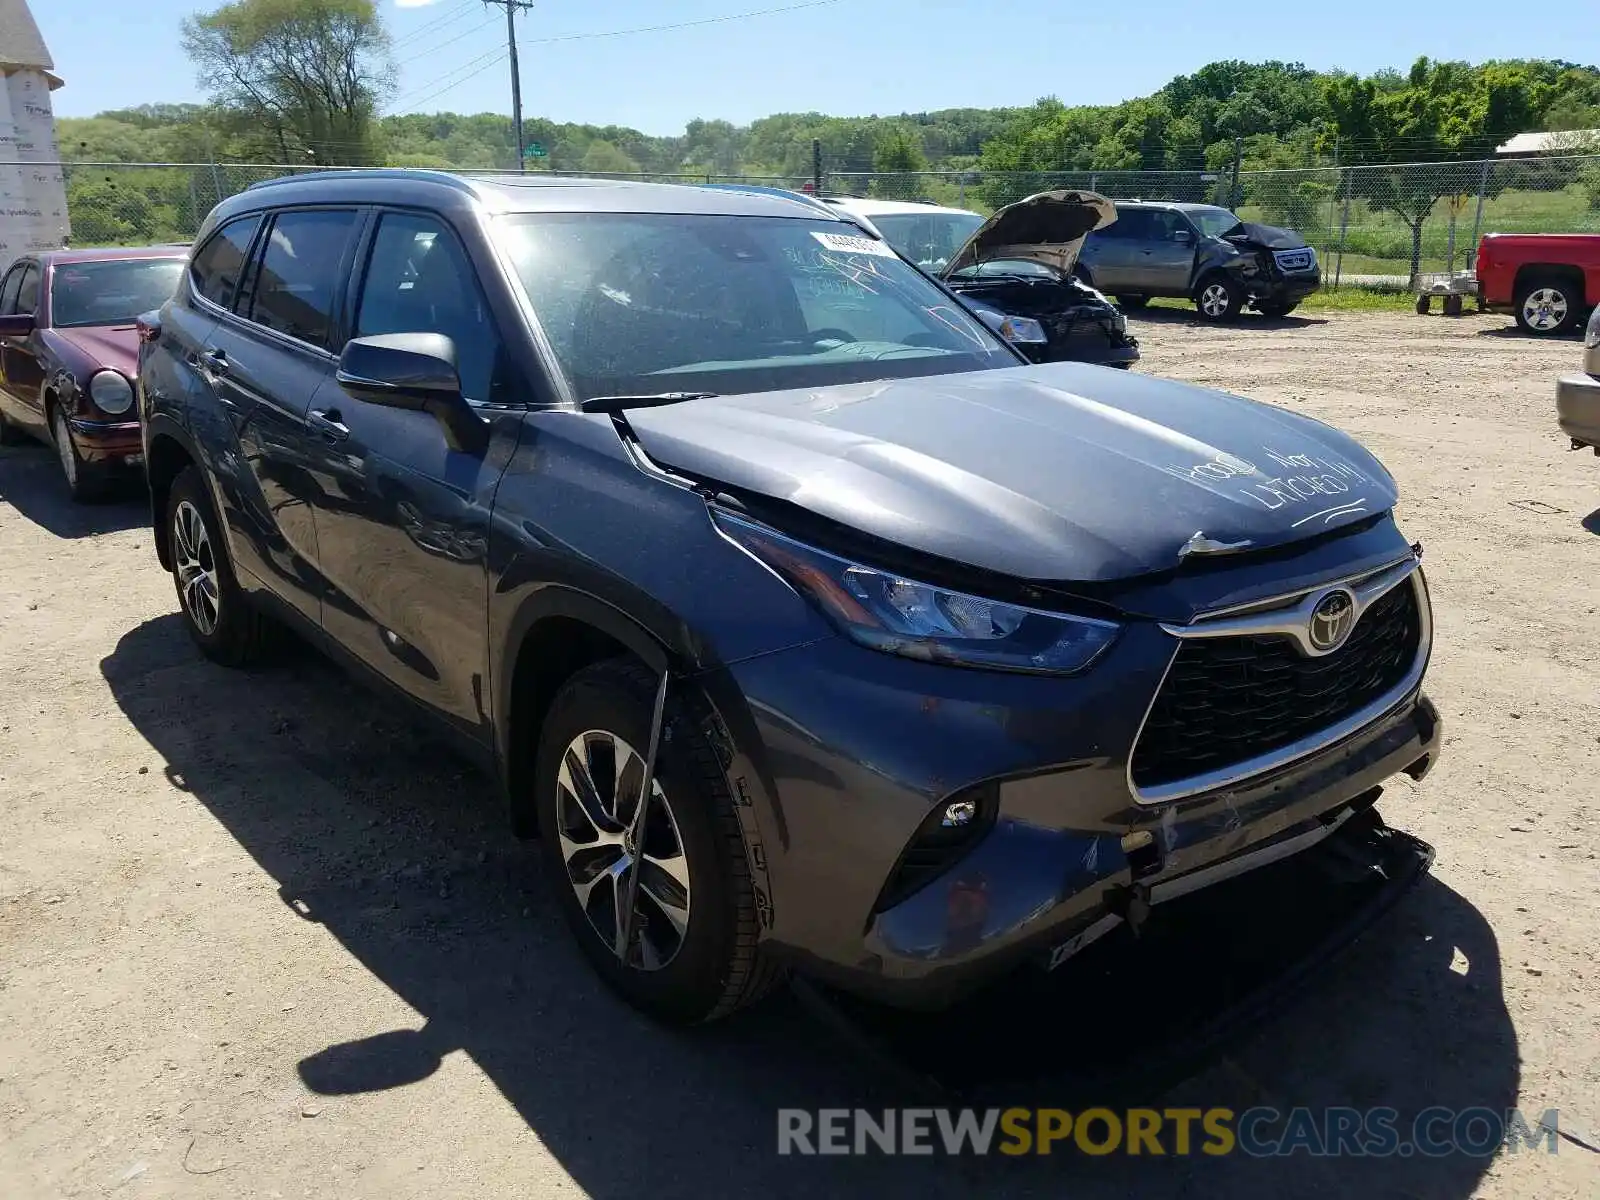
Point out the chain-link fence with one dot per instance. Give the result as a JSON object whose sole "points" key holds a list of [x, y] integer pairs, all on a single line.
{"points": [[1375, 226]]}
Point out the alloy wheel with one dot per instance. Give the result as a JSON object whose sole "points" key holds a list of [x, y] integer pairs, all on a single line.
{"points": [[597, 802], [196, 564], [1214, 300], [63, 439], [1545, 309]]}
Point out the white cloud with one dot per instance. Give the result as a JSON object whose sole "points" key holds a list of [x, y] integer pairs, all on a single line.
{"points": [[414, 3]]}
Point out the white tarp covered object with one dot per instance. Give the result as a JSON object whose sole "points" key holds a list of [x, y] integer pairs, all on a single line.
{"points": [[33, 193]]}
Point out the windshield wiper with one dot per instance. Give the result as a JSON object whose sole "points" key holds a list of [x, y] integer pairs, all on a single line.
{"points": [[616, 404]]}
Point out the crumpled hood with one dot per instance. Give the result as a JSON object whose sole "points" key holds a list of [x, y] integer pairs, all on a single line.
{"points": [[1047, 228], [100, 346], [1056, 473], [1269, 237]]}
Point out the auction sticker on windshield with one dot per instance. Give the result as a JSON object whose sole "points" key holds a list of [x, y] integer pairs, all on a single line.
{"points": [[843, 243]]}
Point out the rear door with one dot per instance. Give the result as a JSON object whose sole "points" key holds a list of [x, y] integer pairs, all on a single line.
{"points": [[1109, 253], [402, 518], [265, 361]]}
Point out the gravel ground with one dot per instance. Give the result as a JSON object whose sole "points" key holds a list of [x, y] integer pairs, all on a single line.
{"points": [[260, 937]]}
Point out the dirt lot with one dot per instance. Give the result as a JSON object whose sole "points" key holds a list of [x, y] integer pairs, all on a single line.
{"points": [[259, 937]]}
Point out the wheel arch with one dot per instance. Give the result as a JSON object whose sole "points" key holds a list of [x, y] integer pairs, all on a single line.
{"points": [[1530, 275], [167, 454], [555, 633]]}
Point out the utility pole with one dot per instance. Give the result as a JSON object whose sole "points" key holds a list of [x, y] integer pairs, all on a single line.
{"points": [[511, 7]]}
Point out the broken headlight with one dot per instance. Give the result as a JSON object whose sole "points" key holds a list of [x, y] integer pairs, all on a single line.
{"points": [[902, 616]]}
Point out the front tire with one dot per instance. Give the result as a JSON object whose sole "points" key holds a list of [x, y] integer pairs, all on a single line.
{"points": [[1547, 306], [1277, 311], [219, 616], [1218, 298], [693, 953], [85, 482]]}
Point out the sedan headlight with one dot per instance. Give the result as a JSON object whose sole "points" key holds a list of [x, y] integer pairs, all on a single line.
{"points": [[111, 392], [921, 620]]}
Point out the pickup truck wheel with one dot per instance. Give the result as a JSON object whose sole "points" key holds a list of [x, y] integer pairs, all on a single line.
{"points": [[690, 952], [1546, 307], [1218, 298], [220, 617]]}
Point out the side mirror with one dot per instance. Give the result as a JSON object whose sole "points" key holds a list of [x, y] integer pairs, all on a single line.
{"points": [[415, 371], [1182, 236], [16, 325]]}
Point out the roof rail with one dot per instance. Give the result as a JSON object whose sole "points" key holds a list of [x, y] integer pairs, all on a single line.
{"points": [[448, 178], [763, 190]]}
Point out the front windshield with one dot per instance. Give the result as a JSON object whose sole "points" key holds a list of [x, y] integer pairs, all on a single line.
{"points": [[111, 292], [1213, 222], [646, 303], [928, 239]]}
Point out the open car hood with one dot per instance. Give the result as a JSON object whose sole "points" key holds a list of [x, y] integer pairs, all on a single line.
{"points": [[1046, 228]]}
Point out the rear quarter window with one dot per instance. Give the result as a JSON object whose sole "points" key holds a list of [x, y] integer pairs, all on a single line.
{"points": [[216, 268]]}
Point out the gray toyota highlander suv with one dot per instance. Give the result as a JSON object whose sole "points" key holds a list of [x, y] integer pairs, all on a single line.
{"points": [[808, 624]]}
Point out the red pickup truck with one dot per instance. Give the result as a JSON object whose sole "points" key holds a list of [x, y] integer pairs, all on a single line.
{"points": [[1549, 281]]}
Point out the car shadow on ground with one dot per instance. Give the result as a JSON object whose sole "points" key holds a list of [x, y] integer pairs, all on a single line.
{"points": [[1512, 330], [1592, 522], [31, 482], [1167, 315], [400, 851]]}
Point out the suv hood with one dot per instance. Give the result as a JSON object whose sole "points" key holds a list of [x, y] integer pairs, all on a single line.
{"points": [[1268, 237], [1056, 473], [1048, 228]]}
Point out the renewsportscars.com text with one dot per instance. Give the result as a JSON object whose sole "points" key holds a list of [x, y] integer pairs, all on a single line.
{"points": [[1257, 1132]]}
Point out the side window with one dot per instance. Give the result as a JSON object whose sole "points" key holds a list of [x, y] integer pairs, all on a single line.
{"points": [[216, 267], [299, 276], [1135, 224], [28, 291], [418, 280], [8, 290], [1167, 224]]}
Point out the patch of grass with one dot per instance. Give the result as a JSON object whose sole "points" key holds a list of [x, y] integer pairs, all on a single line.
{"points": [[1343, 300]]}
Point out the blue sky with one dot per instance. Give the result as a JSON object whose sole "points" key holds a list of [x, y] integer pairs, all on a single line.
{"points": [[846, 57]]}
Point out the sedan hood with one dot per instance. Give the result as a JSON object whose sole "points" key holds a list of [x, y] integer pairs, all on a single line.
{"points": [[100, 346], [1048, 228], [1056, 473]]}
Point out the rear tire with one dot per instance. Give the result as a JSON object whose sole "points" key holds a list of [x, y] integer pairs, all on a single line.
{"points": [[1218, 299], [1133, 301], [86, 482], [694, 955], [1547, 306], [220, 617]]}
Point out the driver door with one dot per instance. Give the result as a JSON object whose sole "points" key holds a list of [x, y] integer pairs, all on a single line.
{"points": [[20, 367]]}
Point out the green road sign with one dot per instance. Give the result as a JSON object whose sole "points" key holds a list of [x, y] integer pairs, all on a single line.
{"points": [[535, 150]]}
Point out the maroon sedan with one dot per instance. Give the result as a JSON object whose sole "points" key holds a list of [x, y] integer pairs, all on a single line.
{"points": [[69, 353]]}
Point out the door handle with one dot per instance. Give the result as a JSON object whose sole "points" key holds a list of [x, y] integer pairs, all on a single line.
{"points": [[217, 360], [327, 420]]}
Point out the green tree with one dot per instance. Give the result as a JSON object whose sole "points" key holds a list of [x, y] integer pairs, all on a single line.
{"points": [[307, 75], [603, 158], [1395, 137], [896, 158]]}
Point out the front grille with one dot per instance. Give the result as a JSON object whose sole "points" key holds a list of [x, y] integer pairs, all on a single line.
{"points": [[1228, 700], [1295, 260]]}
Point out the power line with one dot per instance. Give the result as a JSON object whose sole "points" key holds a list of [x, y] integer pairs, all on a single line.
{"points": [[449, 17], [447, 42], [744, 16]]}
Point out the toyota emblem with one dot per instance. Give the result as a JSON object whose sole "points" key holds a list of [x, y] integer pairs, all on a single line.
{"points": [[1332, 619]]}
